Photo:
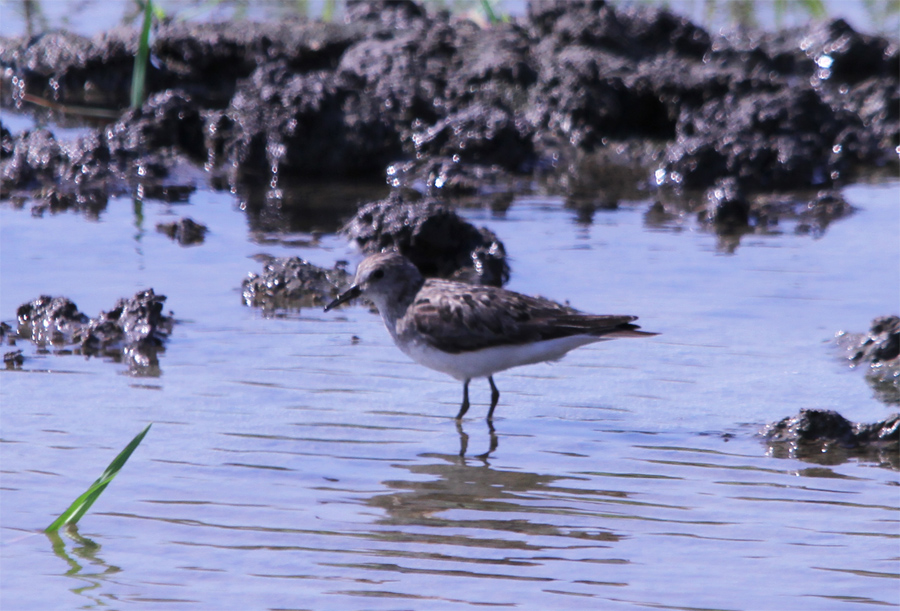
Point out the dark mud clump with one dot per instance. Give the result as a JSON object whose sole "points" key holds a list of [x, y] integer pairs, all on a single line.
{"points": [[879, 346], [134, 330], [879, 352], [732, 212], [460, 106], [431, 235], [292, 283], [14, 359], [826, 437], [50, 320], [185, 231]]}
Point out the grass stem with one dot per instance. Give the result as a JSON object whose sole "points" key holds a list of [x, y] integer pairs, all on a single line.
{"points": [[77, 509]]}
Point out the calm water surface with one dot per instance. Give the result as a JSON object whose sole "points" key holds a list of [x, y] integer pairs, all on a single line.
{"points": [[302, 462]]}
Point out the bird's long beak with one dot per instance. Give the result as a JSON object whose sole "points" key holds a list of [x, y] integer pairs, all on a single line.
{"points": [[351, 293]]}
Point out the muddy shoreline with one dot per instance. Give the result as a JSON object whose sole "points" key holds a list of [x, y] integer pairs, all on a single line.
{"points": [[441, 104]]}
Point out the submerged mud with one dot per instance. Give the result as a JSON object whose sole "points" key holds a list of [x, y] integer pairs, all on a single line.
{"points": [[878, 353], [185, 231], [731, 211], [826, 437], [880, 346]]}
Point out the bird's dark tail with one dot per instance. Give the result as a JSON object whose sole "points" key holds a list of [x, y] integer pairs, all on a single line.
{"points": [[631, 331], [625, 329]]}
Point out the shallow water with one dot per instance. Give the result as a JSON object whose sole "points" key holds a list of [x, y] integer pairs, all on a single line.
{"points": [[90, 16], [302, 462]]}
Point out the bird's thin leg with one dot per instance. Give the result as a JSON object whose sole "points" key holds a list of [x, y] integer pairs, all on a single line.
{"points": [[465, 404], [495, 396]]}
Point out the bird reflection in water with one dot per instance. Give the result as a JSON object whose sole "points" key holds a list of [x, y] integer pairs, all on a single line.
{"points": [[464, 441], [492, 500]]}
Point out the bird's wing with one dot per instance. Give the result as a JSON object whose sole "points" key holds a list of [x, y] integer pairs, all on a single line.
{"points": [[456, 318]]}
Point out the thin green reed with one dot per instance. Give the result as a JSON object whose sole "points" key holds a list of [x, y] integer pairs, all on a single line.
{"points": [[81, 505], [489, 12], [139, 77]]}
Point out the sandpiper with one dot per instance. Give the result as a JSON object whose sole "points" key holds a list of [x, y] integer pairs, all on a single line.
{"points": [[470, 331]]}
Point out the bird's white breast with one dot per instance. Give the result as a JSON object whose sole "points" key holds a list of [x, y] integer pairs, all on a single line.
{"points": [[488, 361]]}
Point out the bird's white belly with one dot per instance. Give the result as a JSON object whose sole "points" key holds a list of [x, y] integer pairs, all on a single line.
{"points": [[482, 363]]}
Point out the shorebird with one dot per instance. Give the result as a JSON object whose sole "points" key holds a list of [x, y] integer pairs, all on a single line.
{"points": [[471, 331]]}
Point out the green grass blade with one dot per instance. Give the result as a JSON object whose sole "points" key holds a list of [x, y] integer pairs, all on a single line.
{"points": [[489, 12], [139, 76], [328, 10], [815, 8], [77, 509]]}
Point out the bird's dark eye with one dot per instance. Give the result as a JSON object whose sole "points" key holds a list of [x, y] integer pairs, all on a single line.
{"points": [[378, 274]]}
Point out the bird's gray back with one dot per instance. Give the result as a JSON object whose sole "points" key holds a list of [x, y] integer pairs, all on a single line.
{"points": [[455, 317]]}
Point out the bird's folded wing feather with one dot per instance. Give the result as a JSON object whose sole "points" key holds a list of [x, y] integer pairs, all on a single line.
{"points": [[473, 317]]}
